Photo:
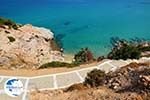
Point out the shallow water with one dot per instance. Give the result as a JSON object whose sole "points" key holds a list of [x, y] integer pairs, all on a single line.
{"points": [[84, 23]]}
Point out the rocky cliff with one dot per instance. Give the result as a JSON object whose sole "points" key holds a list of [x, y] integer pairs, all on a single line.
{"points": [[26, 47]]}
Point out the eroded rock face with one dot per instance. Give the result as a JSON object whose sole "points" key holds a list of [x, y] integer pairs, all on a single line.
{"points": [[133, 77], [27, 47], [145, 80]]}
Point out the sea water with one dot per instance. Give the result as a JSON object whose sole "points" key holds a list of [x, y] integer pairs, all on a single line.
{"points": [[83, 23]]}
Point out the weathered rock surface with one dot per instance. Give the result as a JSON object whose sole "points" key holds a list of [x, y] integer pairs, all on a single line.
{"points": [[145, 80], [26, 47], [129, 78]]}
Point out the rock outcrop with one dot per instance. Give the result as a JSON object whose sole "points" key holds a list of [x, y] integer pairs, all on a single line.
{"points": [[131, 78], [26, 47], [145, 80]]}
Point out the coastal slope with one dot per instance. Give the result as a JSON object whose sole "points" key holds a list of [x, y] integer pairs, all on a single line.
{"points": [[26, 47]]}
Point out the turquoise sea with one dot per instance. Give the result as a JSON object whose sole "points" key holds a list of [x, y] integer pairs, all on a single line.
{"points": [[84, 23]]}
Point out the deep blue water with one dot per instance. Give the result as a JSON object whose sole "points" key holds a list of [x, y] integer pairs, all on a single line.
{"points": [[84, 23]]}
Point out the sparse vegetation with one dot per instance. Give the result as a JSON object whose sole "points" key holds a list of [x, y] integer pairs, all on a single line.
{"points": [[95, 78], [84, 56], [81, 57], [100, 58], [123, 49], [8, 23], [143, 49], [79, 86], [55, 64], [11, 39]]}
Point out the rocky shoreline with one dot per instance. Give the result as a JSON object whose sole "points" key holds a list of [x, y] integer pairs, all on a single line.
{"points": [[26, 47]]}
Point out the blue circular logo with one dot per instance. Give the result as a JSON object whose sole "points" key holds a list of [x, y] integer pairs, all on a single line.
{"points": [[13, 87]]}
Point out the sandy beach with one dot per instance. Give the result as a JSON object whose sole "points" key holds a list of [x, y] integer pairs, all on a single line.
{"points": [[68, 58]]}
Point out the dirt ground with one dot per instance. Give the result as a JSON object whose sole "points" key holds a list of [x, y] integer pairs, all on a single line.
{"points": [[27, 72], [101, 93]]}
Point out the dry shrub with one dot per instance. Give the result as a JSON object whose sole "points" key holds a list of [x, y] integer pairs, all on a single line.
{"points": [[136, 65], [95, 78], [79, 86]]}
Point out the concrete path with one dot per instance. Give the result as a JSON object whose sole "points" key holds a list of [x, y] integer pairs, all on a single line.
{"points": [[60, 80]]}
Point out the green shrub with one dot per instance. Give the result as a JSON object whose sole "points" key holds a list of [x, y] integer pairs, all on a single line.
{"points": [[84, 56], [143, 49], [11, 39], [58, 64], [15, 26], [95, 78], [123, 49], [8, 23], [100, 58]]}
